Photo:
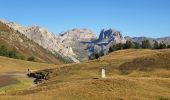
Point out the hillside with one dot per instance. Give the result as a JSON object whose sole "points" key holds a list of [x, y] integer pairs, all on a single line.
{"points": [[43, 38], [13, 73], [15, 65], [160, 60], [25, 48], [82, 81]]}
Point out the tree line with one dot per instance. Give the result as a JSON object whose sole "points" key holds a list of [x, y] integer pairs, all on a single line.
{"points": [[8, 53], [13, 54], [130, 45], [4, 51]]}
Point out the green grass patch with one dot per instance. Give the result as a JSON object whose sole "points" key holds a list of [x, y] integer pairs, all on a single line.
{"points": [[22, 84]]}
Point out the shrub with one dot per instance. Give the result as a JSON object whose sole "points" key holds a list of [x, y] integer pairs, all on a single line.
{"points": [[162, 46], [156, 45], [31, 58], [119, 46], [137, 45], [168, 46], [8, 53], [110, 49], [146, 44], [128, 45]]}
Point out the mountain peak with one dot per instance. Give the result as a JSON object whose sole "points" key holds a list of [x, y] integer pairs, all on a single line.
{"points": [[78, 31], [78, 34], [75, 39], [107, 35]]}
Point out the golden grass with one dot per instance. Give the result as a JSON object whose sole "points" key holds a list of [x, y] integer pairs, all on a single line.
{"points": [[75, 81], [23, 84], [103, 89], [8, 65], [14, 65], [129, 54], [154, 73]]}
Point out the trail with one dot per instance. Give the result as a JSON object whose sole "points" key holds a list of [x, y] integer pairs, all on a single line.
{"points": [[13, 74], [7, 78]]}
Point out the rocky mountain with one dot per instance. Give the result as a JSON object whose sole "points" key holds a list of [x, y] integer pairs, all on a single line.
{"points": [[84, 42], [110, 35], [24, 47], [106, 38], [75, 38], [140, 39], [45, 39], [77, 44], [165, 40]]}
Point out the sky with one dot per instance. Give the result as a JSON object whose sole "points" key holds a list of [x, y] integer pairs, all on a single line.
{"points": [[133, 18]]}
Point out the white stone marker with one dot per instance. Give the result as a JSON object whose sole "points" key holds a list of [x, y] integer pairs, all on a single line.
{"points": [[103, 73]]}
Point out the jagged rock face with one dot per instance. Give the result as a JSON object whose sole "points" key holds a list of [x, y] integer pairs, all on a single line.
{"points": [[23, 46], [45, 39], [106, 38], [108, 35], [80, 35], [76, 38]]}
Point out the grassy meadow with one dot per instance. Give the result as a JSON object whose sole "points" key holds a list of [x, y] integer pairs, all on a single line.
{"points": [[16, 70], [14, 65], [147, 77]]}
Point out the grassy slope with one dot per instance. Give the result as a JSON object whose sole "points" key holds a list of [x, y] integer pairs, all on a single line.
{"points": [[150, 63], [14, 65], [75, 81], [25, 47], [23, 83]]}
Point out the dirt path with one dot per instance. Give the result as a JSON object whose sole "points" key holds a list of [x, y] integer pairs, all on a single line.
{"points": [[8, 78], [13, 74]]}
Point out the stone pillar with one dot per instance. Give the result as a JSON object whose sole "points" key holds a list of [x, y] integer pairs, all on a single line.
{"points": [[103, 73]]}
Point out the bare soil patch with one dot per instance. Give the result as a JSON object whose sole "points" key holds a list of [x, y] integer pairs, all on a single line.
{"points": [[7, 80]]}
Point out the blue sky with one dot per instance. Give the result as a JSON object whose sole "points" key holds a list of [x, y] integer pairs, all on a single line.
{"points": [[132, 17]]}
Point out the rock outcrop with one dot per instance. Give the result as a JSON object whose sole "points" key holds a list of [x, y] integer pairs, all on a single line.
{"points": [[45, 39], [110, 35], [77, 39], [106, 38]]}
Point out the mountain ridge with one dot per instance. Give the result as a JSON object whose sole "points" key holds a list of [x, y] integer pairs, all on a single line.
{"points": [[78, 43], [23, 46], [44, 38]]}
